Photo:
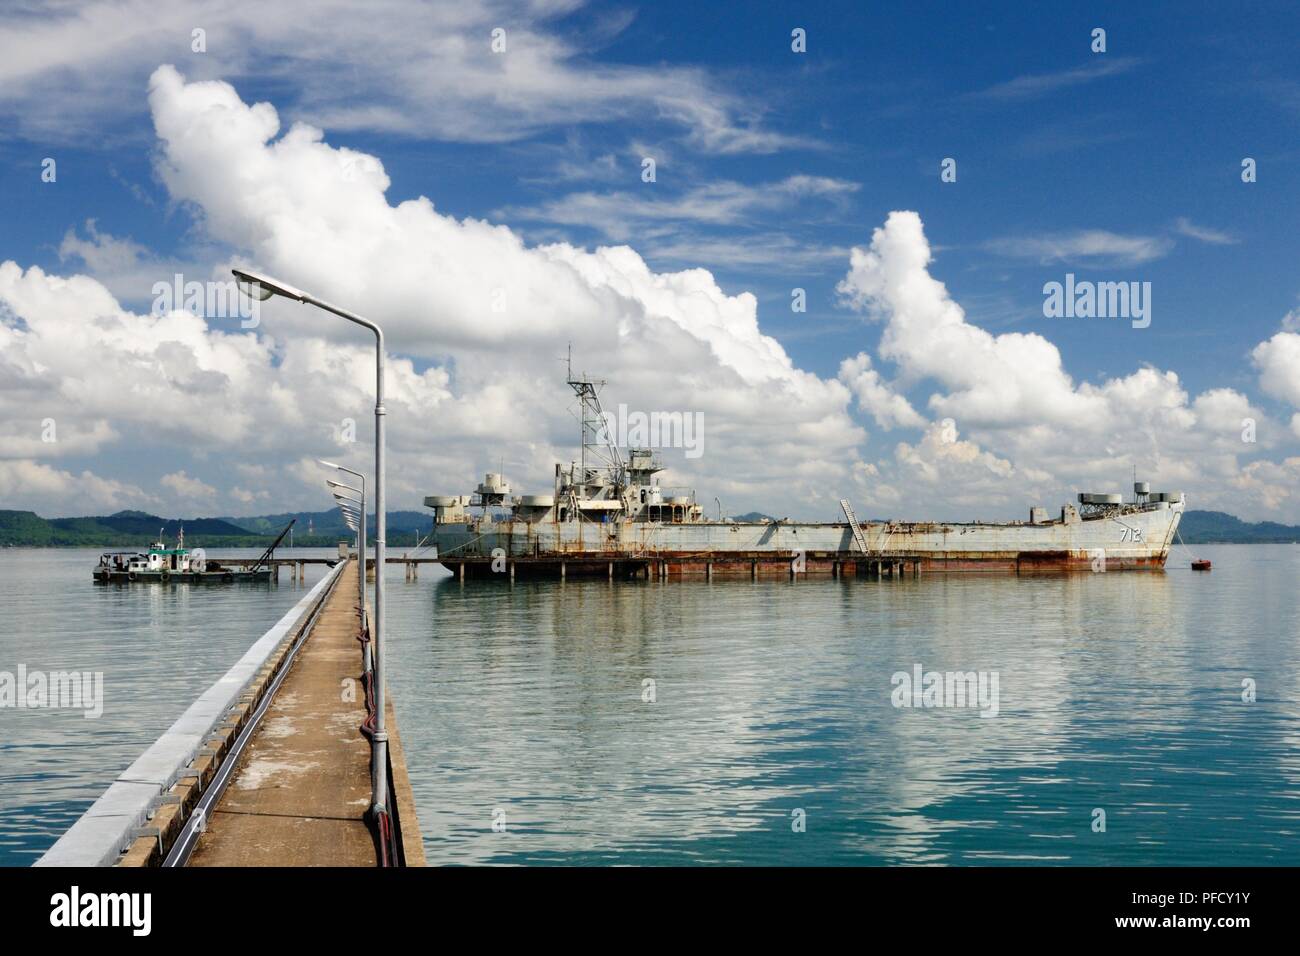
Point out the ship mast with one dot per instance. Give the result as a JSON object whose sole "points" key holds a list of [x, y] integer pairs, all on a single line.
{"points": [[592, 422]]}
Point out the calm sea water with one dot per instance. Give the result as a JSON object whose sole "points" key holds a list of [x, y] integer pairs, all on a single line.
{"points": [[158, 647], [771, 737], [1119, 692]]}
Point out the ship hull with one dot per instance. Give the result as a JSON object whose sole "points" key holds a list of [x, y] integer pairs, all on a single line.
{"points": [[1129, 540], [102, 576]]}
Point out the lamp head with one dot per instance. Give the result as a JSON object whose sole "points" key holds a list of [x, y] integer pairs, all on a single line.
{"points": [[262, 287]]}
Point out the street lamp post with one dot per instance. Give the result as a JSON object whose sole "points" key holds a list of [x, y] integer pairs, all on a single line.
{"points": [[351, 524], [263, 287], [361, 546], [354, 519]]}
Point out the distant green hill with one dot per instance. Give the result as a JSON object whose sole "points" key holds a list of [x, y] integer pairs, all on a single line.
{"points": [[1211, 527], [331, 522], [140, 523], [125, 529], [24, 527], [137, 529]]}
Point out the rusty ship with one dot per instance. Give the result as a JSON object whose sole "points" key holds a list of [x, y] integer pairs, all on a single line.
{"points": [[608, 515]]}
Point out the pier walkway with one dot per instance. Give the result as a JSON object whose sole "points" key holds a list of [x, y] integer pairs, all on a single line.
{"points": [[299, 795], [269, 767]]}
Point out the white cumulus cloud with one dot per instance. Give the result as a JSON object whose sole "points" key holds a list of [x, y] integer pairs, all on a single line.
{"points": [[1013, 396], [478, 323]]}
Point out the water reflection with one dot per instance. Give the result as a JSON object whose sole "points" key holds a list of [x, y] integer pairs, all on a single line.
{"points": [[158, 646], [1117, 691]]}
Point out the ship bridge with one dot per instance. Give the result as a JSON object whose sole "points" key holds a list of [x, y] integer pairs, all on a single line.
{"points": [[599, 487]]}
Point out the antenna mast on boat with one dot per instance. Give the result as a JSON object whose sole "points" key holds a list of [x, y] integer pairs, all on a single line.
{"points": [[592, 419]]}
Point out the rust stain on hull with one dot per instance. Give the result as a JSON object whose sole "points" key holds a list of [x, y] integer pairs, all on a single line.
{"points": [[767, 564]]}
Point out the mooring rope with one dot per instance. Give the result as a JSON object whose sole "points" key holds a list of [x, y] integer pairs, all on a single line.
{"points": [[1190, 556]]}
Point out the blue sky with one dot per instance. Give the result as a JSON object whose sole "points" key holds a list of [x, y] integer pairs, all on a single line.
{"points": [[770, 166]]}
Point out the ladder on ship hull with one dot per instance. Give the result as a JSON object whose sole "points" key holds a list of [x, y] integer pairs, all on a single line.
{"points": [[858, 536]]}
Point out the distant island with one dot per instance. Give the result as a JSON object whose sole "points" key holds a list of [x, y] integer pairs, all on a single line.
{"points": [[1218, 527], [316, 529], [136, 529]]}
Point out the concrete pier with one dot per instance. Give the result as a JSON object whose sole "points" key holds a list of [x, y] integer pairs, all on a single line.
{"points": [[298, 791]]}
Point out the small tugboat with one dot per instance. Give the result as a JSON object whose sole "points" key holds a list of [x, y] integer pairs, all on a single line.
{"points": [[179, 564], [1201, 564]]}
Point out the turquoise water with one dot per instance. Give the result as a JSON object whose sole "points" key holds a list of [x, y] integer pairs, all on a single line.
{"points": [[524, 705], [158, 647], [1119, 692]]}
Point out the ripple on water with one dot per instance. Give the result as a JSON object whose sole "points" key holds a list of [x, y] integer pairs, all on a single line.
{"points": [[158, 648], [1118, 692]]}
